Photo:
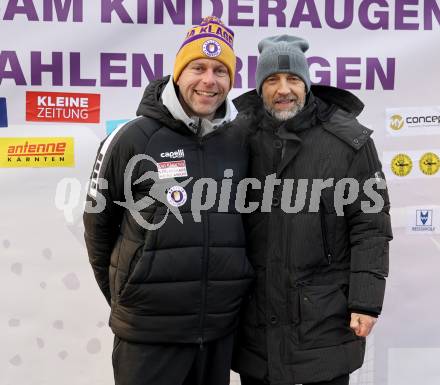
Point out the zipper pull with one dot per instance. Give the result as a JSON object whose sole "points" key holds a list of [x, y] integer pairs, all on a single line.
{"points": [[200, 341], [329, 258]]}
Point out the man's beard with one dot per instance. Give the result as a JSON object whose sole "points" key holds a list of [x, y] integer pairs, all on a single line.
{"points": [[285, 114]]}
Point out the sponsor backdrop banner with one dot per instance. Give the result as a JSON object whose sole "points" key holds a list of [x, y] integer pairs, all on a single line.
{"points": [[73, 71]]}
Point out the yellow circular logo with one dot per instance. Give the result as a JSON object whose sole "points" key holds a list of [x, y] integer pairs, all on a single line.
{"points": [[429, 163], [401, 165], [396, 122]]}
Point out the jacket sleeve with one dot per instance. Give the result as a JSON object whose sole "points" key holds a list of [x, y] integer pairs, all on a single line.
{"points": [[370, 233], [102, 217]]}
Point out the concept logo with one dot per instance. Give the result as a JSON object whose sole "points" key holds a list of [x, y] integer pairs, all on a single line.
{"points": [[396, 122], [424, 120], [429, 163], [211, 48], [401, 165]]}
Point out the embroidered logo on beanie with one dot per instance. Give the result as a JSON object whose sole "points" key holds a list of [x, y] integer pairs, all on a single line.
{"points": [[211, 48]]}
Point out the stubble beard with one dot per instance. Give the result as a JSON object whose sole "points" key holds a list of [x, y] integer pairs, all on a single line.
{"points": [[286, 114]]}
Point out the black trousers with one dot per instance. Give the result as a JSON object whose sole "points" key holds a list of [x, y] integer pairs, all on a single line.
{"points": [[172, 364], [343, 380]]}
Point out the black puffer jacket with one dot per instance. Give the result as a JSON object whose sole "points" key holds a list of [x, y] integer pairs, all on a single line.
{"points": [[183, 282], [313, 266]]}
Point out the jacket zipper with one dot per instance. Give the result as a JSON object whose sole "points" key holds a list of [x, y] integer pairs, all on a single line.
{"points": [[327, 252], [204, 283]]}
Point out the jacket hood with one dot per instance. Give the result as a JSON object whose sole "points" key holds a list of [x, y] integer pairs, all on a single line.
{"points": [[328, 99], [339, 97], [151, 106]]}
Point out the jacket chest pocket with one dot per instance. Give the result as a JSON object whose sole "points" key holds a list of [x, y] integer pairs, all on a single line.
{"points": [[309, 241]]}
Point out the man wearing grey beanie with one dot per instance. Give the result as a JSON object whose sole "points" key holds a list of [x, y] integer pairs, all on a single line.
{"points": [[321, 259]]}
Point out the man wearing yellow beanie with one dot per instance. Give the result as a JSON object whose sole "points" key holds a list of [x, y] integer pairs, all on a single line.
{"points": [[204, 73], [175, 290]]}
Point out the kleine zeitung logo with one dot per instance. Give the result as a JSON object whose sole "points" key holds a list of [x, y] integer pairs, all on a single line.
{"points": [[62, 107]]}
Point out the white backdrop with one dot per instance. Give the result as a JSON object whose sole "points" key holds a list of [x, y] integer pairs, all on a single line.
{"points": [[53, 318]]}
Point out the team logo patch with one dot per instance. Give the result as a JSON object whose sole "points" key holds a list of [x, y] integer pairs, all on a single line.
{"points": [[176, 196], [211, 48]]}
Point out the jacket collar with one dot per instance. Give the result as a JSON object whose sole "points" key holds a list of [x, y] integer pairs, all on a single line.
{"points": [[327, 98]]}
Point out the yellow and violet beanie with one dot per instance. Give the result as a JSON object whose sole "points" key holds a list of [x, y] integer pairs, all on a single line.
{"points": [[209, 40]]}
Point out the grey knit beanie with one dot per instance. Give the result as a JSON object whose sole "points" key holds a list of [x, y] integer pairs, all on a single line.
{"points": [[282, 54]]}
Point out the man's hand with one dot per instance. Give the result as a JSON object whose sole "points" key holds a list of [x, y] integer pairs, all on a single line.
{"points": [[362, 324]]}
